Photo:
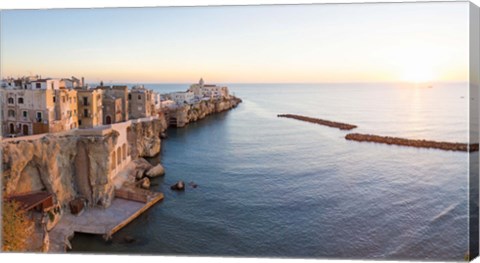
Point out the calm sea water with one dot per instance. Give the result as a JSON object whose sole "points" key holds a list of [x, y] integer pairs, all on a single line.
{"points": [[279, 187]]}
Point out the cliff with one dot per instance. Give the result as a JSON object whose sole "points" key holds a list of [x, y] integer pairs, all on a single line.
{"points": [[74, 164], [193, 112]]}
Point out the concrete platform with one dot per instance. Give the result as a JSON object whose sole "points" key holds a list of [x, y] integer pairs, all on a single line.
{"points": [[99, 221]]}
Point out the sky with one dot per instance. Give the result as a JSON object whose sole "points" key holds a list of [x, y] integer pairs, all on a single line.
{"points": [[412, 42]]}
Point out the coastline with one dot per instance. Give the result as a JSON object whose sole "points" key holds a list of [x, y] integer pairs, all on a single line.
{"points": [[83, 170]]}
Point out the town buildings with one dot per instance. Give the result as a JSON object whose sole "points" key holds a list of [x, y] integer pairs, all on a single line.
{"points": [[35, 105], [30, 106]]}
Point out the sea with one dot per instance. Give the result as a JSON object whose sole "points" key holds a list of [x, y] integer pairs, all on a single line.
{"points": [[278, 187]]}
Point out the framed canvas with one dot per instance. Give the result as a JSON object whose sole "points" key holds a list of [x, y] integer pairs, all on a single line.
{"points": [[298, 131]]}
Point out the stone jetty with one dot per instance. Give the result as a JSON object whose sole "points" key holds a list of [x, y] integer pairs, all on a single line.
{"points": [[447, 146], [339, 125]]}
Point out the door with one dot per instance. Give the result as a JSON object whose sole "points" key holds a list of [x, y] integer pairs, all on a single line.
{"points": [[108, 120], [25, 129], [12, 128]]}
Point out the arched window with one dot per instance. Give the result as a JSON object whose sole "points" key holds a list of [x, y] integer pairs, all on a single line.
{"points": [[11, 101], [119, 156], [20, 100], [124, 150], [25, 129], [113, 160]]}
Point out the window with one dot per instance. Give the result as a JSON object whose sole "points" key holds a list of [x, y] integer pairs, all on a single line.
{"points": [[11, 113], [20, 100], [85, 113], [113, 160], [85, 101], [74, 112], [52, 85], [119, 156], [39, 116], [139, 97], [38, 85], [124, 151], [25, 114], [129, 96], [79, 122], [53, 99], [63, 99], [11, 101]]}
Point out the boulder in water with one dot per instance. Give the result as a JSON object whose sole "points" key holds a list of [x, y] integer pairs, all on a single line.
{"points": [[179, 186]]}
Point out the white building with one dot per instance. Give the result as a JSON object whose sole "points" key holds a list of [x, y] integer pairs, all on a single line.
{"points": [[44, 84], [202, 90], [169, 104], [157, 101], [182, 97]]}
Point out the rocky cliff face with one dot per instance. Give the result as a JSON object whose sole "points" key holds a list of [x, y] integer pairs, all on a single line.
{"points": [[144, 138], [44, 164], [73, 165], [197, 111]]}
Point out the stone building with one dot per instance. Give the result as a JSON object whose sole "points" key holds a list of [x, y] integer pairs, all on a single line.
{"points": [[112, 109], [66, 115], [30, 106], [117, 92], [90, 111], [141, 102]]}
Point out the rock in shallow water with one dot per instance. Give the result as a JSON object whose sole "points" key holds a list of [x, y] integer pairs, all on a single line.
{"points": [[179, 186], [129, 239]]}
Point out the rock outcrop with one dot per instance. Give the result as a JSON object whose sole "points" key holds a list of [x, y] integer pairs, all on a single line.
{"points": [[144, 138], [46, 164], [190, 113], [156, 171], [70, 165]]}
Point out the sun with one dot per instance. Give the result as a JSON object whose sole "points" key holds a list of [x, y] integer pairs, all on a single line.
{"points": [[418, 74]]}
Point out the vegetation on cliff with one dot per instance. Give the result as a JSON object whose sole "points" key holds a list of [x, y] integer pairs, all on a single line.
{"points": [[16, 227]]}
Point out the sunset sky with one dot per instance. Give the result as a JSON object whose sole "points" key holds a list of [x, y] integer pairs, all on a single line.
{"points": [[414, 42]]}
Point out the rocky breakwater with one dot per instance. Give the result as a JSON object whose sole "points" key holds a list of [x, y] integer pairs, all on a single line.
{"points": [[197, 111], [447, 146], [333, 124]]}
